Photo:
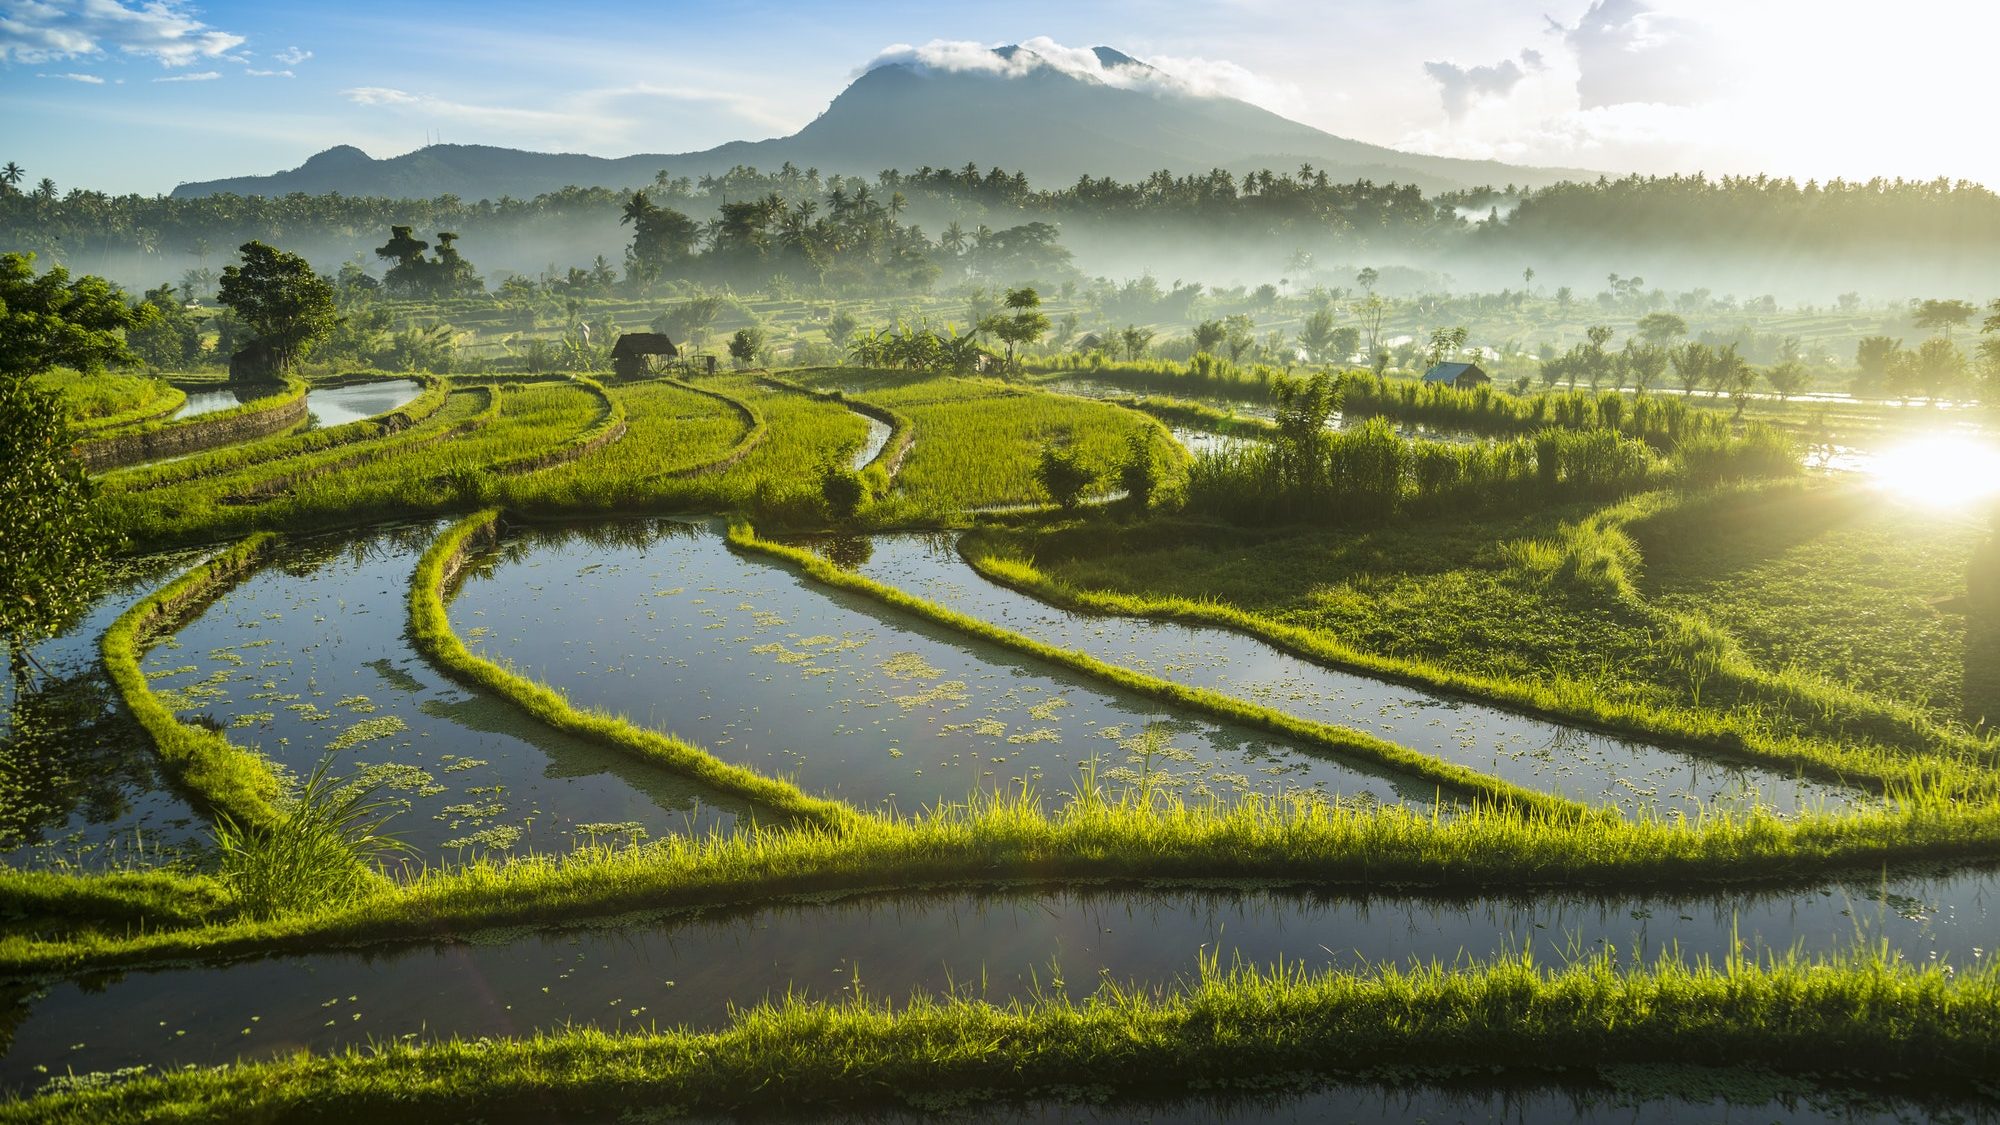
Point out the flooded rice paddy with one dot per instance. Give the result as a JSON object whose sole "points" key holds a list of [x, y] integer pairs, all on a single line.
{"points": [[308, 657], [329, 406], [661, 622], [1594, 768], [1002, 946], [337, 406], [80, 786]]}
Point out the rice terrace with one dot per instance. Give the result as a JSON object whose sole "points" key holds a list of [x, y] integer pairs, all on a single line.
{"points": [[1057, 586]]}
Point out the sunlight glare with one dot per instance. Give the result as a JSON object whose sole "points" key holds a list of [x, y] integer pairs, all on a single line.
{"points": [[1940, 470]]}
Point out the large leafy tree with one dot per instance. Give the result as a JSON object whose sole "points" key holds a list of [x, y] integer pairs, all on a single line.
{"points": [[52, 542], [1024, 322], [276, 294], [1942, 315], [51, 321]]}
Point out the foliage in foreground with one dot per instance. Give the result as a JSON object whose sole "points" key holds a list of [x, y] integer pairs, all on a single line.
{"points": [[1869, 1019]]}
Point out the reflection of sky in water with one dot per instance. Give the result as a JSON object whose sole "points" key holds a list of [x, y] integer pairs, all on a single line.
{"points": [[767, 671], [336, 406], [1001, 947], [1536, 753], [309, 656]]}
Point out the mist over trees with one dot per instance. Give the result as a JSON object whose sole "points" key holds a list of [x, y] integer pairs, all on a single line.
{"points": [[1735, 234]]}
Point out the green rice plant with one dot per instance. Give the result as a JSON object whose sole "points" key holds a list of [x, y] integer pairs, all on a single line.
{"points": [[325, 848], [106, 401], [420, 471], [673, 429], [605, 428], [230, 458], [975, 444]]}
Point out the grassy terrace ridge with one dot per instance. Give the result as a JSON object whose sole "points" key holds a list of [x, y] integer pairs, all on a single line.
{"points": [[1101, 839], [902, 431], [163, 399], [233, 457], [977, 440], [755, 430], [607, 427], [290, 391], [437, 425], [1340, 742], [1599, 547], [1861, 1022], [424, 477], [430, 628], [220, 776]]}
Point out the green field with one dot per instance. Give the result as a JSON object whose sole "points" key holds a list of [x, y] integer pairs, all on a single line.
{"points": [[1711, 607]]}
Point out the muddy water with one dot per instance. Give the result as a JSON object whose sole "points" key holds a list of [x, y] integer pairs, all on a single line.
{"points": [[1005, 946], [308, 657], [1590, 767], [663, 623]]}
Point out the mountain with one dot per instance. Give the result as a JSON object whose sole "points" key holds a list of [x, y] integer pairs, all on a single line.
{"points": [[1123, 119]]}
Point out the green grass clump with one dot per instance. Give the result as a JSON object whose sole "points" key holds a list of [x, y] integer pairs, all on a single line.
{"points": [[323, 849]]}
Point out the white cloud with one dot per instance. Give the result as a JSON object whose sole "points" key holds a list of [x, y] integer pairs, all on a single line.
{"points": [[292, 56], [255, 73], [1198, 77], [202, 76], [1635, 51], [165, 31], [88, 79], [1460, 87]]}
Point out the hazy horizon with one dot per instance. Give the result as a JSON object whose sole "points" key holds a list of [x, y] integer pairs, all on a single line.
{"points": [[124, 97]]}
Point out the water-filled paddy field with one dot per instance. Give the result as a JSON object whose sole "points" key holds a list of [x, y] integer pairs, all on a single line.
{"points": [[661, 622], [329, 406], [1540, 754], [309, 657], [1009, 945], [79, 785]]}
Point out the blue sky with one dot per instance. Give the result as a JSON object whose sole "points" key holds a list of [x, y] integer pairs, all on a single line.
{"points": [[137, 95]]}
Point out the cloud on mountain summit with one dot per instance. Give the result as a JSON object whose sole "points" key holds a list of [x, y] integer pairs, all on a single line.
{"points": [[1198, 77]]}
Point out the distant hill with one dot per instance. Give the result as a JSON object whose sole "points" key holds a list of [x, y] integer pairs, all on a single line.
{"points": [[1052, 124]]}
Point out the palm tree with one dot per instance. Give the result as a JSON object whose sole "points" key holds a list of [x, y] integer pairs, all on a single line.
{"points": [[953, 238], [12, 175], [46, 190]]}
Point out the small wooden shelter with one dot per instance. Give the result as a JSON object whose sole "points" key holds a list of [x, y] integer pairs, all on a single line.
{"points": [[632, 356], [1464, 376]]}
